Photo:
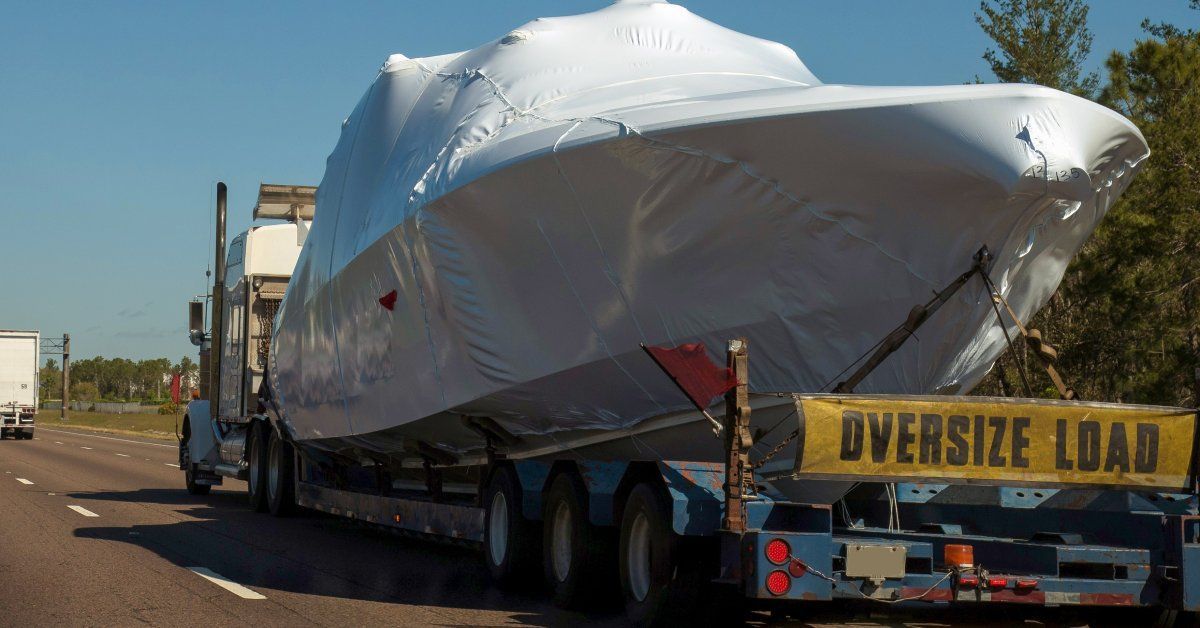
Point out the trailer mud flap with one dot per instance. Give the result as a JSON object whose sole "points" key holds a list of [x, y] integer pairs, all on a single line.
{"points": [[998, 441]]}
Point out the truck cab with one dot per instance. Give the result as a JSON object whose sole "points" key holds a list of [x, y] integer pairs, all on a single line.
{"points": [[248, 288], [258, 266]]}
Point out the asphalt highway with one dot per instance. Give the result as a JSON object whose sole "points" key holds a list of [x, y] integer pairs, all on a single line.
{"points": [[97, 530]]}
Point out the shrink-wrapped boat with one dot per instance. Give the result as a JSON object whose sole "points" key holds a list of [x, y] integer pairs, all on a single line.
{"points": [[499, 230]]}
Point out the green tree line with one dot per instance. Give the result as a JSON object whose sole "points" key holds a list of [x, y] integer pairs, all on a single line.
{"points": [[1126, 319], [119, 379]]}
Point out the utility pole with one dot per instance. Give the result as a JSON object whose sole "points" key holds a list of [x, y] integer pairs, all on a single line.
{"points": [[66, 376]]}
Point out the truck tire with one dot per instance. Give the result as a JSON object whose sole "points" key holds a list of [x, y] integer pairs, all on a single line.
{"points": [[511, 543], [661, 585], [256, 454], [189, 477], [577, 557], [281, 481], [27, 434]]}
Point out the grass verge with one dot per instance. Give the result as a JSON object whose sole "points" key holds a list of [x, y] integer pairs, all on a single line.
{"points": [[157, 426]]}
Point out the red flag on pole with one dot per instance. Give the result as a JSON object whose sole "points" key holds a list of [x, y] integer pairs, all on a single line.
{"points": [[175, 388], [692, 370]]}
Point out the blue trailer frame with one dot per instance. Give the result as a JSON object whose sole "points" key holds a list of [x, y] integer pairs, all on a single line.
{"points": [[1039, 565]]}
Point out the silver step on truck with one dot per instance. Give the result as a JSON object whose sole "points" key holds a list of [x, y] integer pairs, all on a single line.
{"points": [[18, 382]]}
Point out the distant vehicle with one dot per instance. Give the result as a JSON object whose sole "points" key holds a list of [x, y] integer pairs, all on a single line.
{"points": [[19, 354]]}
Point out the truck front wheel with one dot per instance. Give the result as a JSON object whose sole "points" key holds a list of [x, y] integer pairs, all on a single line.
{"points": [[189, 476], [281, 487], [256, 483], [185, 461]]}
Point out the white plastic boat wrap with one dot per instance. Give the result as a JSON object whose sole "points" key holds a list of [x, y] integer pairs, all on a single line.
{"points": [[547, 201]]}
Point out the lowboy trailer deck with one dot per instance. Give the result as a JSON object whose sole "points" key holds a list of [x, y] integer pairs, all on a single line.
{"points": [[958, 500], [946, 529]]}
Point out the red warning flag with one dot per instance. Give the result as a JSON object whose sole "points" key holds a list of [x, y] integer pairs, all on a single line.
{"points": [[174, 388], [694, 373]]}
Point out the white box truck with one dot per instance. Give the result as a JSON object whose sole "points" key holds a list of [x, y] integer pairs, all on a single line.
{"points": [[18, 382]]}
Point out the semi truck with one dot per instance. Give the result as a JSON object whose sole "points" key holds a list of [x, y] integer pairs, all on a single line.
{"points": [[19, 354], [957, 500]]}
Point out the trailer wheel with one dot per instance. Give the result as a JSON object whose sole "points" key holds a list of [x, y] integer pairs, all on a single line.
{"points": [[281, 487], [256, 483], [511, 543], [661, 583], [1173, 618], [577, 557]]}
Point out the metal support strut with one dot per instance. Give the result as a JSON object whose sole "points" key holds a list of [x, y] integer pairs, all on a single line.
{"points": [[739, 477], [890, 344], [916, 317], [1045, 353]]}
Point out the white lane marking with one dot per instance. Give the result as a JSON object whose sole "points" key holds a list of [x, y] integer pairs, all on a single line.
{"points": [[123, 455], [24, 481], [82, 447], [227, 584], [83, 511], [123, 440], [57, 442], [172, 465]]}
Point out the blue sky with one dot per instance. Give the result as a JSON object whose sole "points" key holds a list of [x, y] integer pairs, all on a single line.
{"points": [[117, 119]]}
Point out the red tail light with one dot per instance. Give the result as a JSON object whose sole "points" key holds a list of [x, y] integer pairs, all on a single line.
{"points": [[778, 551], [968, 581], [997, 583], [1026, 583], [778, 582]]}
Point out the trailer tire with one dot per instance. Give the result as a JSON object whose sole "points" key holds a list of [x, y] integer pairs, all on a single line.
{"points": [[661, 587], [281, 486], [577, 557], [256, 454], [511, 543]]}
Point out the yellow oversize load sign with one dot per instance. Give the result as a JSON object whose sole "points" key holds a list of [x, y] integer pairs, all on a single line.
{"points": [[992, 440]]}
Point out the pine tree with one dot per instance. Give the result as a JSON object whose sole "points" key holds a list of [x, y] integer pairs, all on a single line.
{"points": [[1039, 41], [1127, 316]]}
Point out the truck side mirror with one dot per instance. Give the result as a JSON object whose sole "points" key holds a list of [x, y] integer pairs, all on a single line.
{"points": [[196, 322]]}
